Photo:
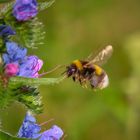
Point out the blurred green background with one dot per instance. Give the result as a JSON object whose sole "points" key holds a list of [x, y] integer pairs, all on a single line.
{"points": [[74, 29]]}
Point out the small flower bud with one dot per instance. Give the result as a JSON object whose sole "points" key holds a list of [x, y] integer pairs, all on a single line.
{"points": [[11, 69]]}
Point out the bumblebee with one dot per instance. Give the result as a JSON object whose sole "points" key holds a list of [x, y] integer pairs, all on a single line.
{"points": [[89, 71]]}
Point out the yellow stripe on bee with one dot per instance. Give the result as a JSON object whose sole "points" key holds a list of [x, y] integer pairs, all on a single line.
{"points": [[78, 64], [98, 70]]}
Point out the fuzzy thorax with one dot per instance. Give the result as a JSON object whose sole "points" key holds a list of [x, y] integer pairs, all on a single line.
{"points": [[78, 64]]}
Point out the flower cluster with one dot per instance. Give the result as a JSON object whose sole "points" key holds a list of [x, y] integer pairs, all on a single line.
{"points": [[18, 63], [30, 129]]}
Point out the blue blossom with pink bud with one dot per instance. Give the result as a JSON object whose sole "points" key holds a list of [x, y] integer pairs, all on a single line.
{"points": [[18, 63]]}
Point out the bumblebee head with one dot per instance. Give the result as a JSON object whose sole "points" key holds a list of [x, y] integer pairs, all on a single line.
{"points": [[71, 70]]}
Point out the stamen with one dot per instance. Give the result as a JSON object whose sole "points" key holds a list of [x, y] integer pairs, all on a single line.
{"points": [[44, 123], [45, 73], [63, 138]]}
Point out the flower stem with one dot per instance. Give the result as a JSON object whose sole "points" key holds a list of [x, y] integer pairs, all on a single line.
{"points": [[37, 81]]}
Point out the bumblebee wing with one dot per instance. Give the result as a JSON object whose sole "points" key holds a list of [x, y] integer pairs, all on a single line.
{"points": [[102, 57]]}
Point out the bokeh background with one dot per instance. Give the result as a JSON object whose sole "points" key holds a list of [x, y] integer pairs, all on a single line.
{"points": [[74, 29]]}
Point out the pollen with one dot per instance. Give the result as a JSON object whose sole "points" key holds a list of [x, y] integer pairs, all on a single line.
{"points": [[78, 64]]}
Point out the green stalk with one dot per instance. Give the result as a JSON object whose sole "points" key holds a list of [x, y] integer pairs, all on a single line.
{"points": [[36, 81]]}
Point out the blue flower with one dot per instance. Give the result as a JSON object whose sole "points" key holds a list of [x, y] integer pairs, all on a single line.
{"points": [[6, 31], [29, 128], [30, 67], [55, 133], [15, 53], [24, 10]]}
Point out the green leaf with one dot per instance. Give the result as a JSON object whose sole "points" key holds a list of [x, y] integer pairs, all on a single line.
{"points": [[37, 81], [6, 136]]}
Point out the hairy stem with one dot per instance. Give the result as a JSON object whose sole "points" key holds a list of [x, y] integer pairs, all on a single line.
{"points": [[37, 81]]}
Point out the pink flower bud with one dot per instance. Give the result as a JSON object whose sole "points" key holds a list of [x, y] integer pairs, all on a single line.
{"points": [[11, 69]]}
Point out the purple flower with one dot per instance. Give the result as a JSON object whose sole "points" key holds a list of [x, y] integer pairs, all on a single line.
{"points": [[14, 53], [55, 133], [29, 128], [11, 69], [30, 67], [6, 31], [24, 10]]}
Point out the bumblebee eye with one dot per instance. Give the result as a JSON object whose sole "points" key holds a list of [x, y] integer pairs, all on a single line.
{"points": [[73, 70]]}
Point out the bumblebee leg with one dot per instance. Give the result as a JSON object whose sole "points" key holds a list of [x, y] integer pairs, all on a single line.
{"points": [[84, 83], [76, 77], [84, 86], [73, 78], [92, 86], [80, 81]]}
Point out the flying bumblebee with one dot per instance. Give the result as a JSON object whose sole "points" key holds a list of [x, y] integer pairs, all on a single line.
{"points": [[89, 71]]}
